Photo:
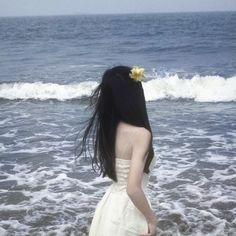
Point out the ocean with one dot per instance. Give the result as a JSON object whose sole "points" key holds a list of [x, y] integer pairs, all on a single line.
{"points": [[48, 64]]}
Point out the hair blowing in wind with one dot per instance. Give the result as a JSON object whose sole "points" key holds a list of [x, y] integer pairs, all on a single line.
{"points": [[116, 98]]}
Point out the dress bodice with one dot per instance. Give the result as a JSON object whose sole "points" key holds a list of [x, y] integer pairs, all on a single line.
{"points": [[116, 213], [122, 172]]}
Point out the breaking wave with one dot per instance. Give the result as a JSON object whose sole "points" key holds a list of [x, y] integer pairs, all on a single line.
{"points": [[198, 88]]}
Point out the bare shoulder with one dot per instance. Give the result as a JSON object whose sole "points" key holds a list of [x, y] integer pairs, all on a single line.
{"points": [[141, 138], [141, 132], [144, 131], [137, 133]]}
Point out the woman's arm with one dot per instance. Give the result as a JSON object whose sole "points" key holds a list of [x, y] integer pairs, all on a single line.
{"points": [[141, 143]]}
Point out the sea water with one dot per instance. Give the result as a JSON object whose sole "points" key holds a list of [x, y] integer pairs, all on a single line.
{"points": [[49, 64]]}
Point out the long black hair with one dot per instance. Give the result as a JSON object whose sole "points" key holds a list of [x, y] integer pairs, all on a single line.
{"points": [[116, 98]]}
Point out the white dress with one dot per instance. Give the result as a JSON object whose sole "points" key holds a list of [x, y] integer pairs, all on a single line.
{"points": [[115, 214]]}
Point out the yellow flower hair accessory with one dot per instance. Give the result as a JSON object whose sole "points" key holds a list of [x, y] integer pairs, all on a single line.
{"points": [[137, 73]]}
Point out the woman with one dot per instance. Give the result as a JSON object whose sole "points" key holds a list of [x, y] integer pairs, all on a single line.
{"points": [[122, 144]]}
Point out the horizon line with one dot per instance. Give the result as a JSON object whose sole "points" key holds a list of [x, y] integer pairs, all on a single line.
{"points": [[121, 13]]}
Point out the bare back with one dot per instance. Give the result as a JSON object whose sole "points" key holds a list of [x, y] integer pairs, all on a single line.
{"points": [[123, 144]]}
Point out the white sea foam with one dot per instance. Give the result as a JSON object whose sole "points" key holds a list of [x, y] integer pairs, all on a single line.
{"points": [[198, 88], [44, 91]]}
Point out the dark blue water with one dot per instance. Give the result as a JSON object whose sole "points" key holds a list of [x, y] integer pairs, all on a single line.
{"points": [[48, 63], [55, 48]]}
